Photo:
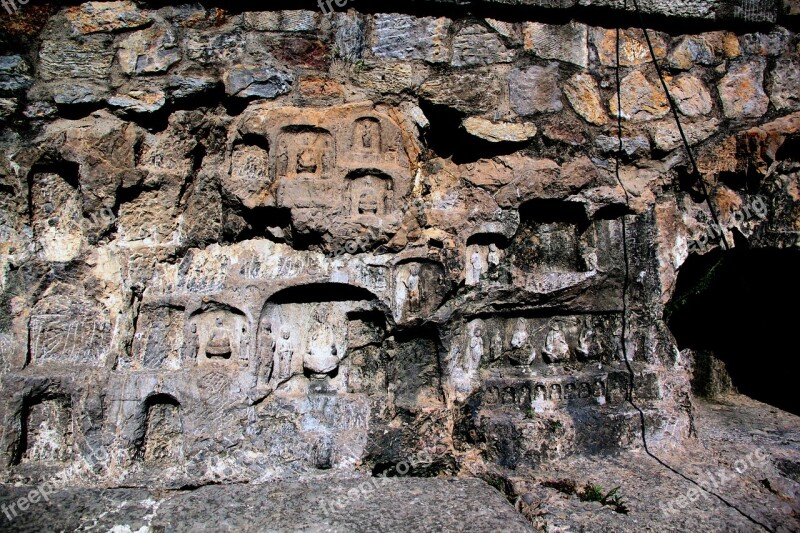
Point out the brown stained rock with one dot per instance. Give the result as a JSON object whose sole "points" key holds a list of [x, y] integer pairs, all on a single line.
{"points": [[152, 50], [784, 86], [105, 17], [318, 88], [564, 128], [300, 51], [480, 89], [690, 95], [533, 178], [583, 94], [666, 136], [566, 43], [535, 90], [499, 131], [641, 99], [489, 174], [762, 143], [742, 90], [633, 47], [104, 147]]}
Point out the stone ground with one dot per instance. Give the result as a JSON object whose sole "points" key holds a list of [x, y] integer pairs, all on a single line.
{"points": [[733, 433]]}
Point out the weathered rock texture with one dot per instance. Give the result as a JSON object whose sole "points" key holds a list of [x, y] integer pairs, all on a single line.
{"points": [[238, 247]]}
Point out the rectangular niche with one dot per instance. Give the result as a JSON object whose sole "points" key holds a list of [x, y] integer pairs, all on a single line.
{"points": [[46, 435], [159, 338]]}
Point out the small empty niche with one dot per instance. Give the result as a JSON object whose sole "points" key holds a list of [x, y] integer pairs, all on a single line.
{"points": [[548, 236], [46, 435], [160, 440]]}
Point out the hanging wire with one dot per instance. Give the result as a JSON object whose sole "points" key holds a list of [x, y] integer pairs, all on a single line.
{"points": [[626, 256]]}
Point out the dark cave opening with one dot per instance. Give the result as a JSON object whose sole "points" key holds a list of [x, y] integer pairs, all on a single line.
{"points": [[739, 305]]}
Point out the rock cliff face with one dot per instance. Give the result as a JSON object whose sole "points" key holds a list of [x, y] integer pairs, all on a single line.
{"points": [[242, 246]]}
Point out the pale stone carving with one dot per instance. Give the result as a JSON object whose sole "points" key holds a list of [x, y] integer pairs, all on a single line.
{"points": [[555, 348], [266, 354], [284, 355]]}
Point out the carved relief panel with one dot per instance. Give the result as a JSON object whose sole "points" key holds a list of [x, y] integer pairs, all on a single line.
{"points": [[159, 338], [57, 217], [305, 151], [306, 338], [63, 329], [218, 337], [250, 177], [418, 289]]}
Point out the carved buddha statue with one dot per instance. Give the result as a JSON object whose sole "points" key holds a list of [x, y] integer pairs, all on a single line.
{"points": [[219, 344], [306, 162], [556, 348], [368, 203]]}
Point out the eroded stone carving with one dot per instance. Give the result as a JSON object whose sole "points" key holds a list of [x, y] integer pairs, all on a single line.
{"points": [[68, 330], [221, 337]]}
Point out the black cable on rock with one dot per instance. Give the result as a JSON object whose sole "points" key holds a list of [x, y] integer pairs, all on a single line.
{"points": [[626, 256], [674, 108]]}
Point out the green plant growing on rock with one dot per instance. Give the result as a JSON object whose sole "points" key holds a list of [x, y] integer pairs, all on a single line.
{"points": [[594, 493]]}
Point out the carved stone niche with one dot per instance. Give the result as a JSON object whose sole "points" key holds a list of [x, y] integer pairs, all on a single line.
{"points": [[46, 436], [305, 151], [372, 144], [467, 350], [159, 338], [159, 438], [418, 289], [370, 196], [57, 216], [68, 330], [484, 255], [304, 165], [548, 237], [305, 328], [535, 342], [217, 336], [250, 176]]}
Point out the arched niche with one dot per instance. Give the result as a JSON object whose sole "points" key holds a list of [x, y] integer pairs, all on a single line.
{"points": [[217, 334], [159, 437], [418, 288], [46, 434], [369, 194], [304, 151], [367, 135], [484, 254], [305, 329]]}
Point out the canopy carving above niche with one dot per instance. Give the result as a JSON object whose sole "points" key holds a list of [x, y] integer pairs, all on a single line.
{"points": [[339, 169]]}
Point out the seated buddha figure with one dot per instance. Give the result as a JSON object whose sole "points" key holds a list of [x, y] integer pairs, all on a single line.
{"points": [[219, 344]]}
